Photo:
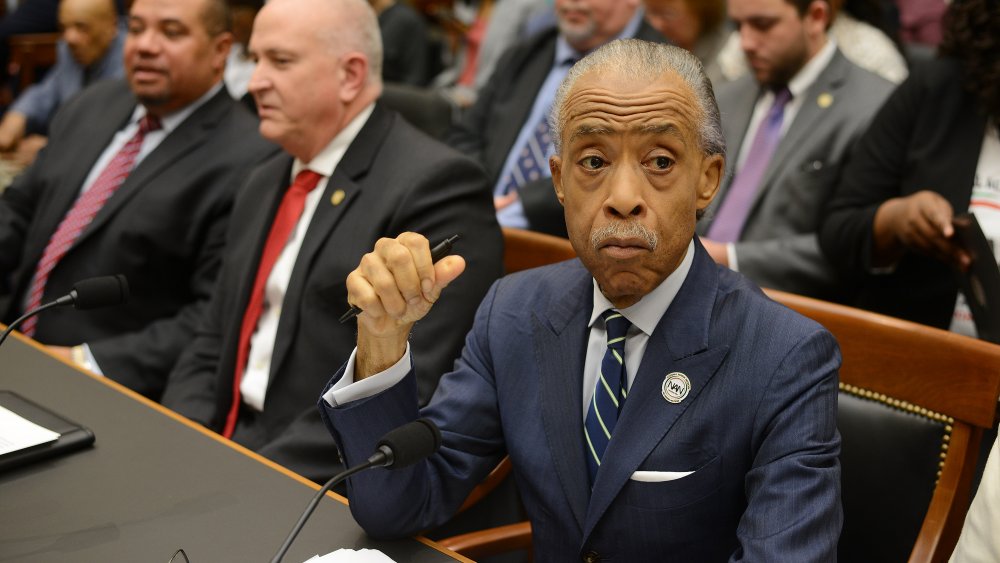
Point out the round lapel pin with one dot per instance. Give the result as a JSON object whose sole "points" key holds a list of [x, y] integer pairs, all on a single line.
{"points": [[676, 387], [824, 100]]}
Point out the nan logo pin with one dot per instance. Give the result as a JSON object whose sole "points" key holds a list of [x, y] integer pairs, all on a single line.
{"points": [[676, 387]]}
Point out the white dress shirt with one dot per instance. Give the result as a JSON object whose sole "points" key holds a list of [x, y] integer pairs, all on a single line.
{"points": [[253, 386]]}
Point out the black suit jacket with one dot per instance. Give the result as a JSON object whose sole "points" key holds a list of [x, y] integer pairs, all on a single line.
{"points": [[395, 179], [163, 229], [490, 128], [927, 136]]}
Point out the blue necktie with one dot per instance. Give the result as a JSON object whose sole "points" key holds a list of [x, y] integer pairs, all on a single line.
{"points": [[727, 226], [609, 394]]}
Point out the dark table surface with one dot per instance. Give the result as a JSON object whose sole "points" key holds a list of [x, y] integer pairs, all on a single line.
{"points": [[154, 482]]}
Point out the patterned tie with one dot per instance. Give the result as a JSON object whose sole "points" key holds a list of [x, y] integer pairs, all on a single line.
{"points": [[609, 394], [82, 213], [533, 158], [732, 215], [289, 212]]}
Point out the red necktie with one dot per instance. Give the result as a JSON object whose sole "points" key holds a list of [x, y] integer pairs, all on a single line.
{"points": [[82, 213], [285, 220]]}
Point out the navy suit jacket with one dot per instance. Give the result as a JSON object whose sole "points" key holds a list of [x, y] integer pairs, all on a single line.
{"points": [[758, 428]]}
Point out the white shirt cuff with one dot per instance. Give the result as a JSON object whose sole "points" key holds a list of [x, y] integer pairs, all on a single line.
{"points": [[734, 265], [89, 362], [346, 390]]}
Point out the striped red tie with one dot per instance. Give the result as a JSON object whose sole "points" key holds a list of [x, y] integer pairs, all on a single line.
{"points": [[289, 213], [82, 213]]}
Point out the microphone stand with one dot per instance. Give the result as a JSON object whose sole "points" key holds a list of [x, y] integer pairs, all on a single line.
{"points": [[22, 318], [378, 459]]}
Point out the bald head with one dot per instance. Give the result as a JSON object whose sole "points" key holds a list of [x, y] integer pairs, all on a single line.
{"points": [[88, 27], [319, 64]]}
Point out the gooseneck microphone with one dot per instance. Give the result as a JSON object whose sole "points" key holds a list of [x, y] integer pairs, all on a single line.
{"points": [[401, 447], [91, 293]]}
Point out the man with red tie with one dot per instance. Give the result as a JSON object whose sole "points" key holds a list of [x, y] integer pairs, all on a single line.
{"points": [[353, 172], [137, 179]]}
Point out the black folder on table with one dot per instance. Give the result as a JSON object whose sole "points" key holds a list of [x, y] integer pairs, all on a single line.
{"points": [[981, 283], [72, 435]]}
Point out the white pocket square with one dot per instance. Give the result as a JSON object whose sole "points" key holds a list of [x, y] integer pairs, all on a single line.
{"points": [[659, 476]]}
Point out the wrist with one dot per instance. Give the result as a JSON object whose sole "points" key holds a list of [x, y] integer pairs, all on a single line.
{"points": [[377, 353]]}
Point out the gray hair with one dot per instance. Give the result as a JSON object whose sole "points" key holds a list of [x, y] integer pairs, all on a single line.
{"points": [[642, 59], [359, 32]]}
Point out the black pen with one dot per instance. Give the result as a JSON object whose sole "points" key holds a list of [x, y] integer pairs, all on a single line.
{"points": [[442, 249]]}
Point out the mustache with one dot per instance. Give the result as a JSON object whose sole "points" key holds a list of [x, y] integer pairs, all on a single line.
{"points": [[624, 230]]}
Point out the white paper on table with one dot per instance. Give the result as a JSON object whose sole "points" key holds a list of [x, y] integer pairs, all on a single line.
{"points": [[352, 556], [18, 433]]}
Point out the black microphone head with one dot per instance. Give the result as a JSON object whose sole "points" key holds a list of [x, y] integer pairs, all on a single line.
{"points": [[100, 292], [411, 442]]}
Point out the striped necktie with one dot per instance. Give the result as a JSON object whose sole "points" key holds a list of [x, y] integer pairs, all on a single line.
{"points": [[82, 213], [609, 394]]}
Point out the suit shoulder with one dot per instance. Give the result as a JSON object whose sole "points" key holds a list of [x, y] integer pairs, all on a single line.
{"points": [[424, 152], [535, 287], [741, 303]]}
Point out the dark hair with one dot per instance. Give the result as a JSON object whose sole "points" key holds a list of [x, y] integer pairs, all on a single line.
{"points": [[802, 5], [970, 35], [215, 16]]}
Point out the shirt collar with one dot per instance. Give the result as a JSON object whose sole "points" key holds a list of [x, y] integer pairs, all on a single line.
{"points": [[808, 74], [564, 52], [647, 312], [327, 160], [170, 122]]}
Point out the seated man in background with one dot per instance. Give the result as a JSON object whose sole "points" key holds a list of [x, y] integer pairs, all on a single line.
{"points": [[708, 430], [790, 127], [352, 172], [90, 50], [506, 129], [138, 179]]}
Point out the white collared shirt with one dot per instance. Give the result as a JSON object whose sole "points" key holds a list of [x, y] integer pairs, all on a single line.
{"points": [[644, 316], [253, 386]]}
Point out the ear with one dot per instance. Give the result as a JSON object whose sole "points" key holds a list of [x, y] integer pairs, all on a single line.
{"points": [[220, 50], [555, 166], [818, 16], [353, 76], [712, 168]]}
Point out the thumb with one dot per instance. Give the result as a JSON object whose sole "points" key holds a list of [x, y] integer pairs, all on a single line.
{"points": [[446, 271]]}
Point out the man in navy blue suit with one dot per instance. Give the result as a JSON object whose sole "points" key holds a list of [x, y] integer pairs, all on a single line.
{"points": [[655, 406]]}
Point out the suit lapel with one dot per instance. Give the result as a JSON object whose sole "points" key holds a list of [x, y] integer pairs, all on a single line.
{"points": [[680, 343], [560, 341], [347, 177], [187, 137]]}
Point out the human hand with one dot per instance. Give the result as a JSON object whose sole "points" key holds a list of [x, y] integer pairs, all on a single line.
{"points": [[920, 222], [64, 353], [395, 286], [501, 201]]}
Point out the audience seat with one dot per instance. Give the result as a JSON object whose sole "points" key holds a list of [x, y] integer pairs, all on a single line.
{"points": [[914, 404]]}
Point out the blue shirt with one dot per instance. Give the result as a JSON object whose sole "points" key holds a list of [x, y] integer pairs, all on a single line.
{"points": [[40, 102]]}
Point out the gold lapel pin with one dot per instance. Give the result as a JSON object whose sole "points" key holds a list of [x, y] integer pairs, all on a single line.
{"points": [[824, 100], [337, 197]]}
